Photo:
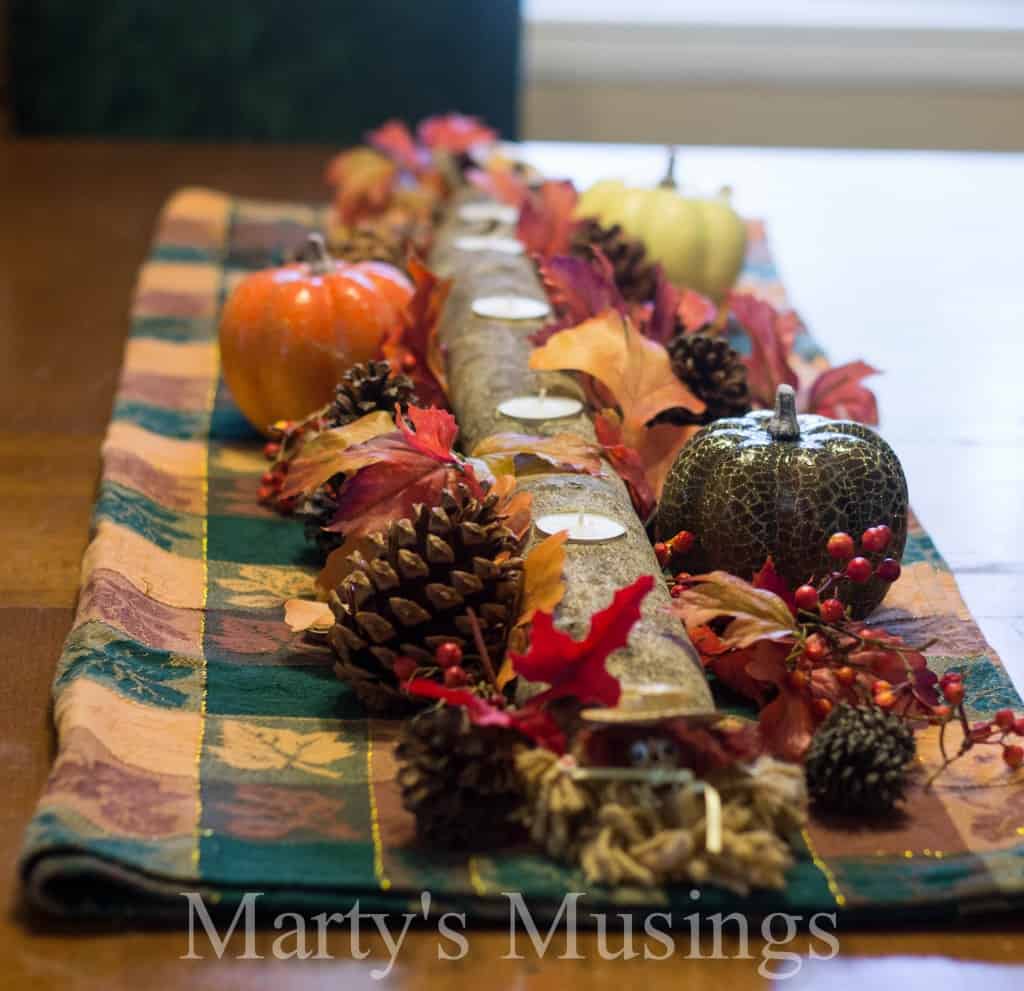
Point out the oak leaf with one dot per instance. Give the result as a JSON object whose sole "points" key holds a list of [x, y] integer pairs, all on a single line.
{"points": [[636, 371]]}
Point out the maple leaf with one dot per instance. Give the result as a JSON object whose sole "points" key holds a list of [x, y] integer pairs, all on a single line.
{"points": [[395, 140], [755, 614], [389, 475], [636, 371], [364, 182], [455, 133], [771, 341], [520, 454], [314, 463], [252, 747], [787, 722], [480, 711], [839, 393], [576, 668], [770, 580], [414, 343], [546, 219], [543, 590], [577, 289]]}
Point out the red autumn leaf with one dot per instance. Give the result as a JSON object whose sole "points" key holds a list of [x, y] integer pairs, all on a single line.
{"points": [[540, 726], [395, 140], [364, 183], [771, 340], [388, 475], [481, 712], [660, 323], [840, 394], [413, 345], [626, 461], [771, 581], [695, 310], [576, 668], [456, 133], [546, 219], [578, 289]]}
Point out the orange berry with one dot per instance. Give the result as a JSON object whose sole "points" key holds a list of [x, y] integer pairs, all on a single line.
{"points": [[885, 700], [846, 675], [822, 707]]}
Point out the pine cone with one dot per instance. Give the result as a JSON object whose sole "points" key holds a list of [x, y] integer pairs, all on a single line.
{"points": [[415, 592], [317, 512], [857, 762], [367, 244], [713, 372], [635, 276], [459, 780], [367, 388]]}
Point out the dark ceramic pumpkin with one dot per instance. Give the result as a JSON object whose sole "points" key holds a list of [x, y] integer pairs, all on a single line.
{"points": [[774, 483]]}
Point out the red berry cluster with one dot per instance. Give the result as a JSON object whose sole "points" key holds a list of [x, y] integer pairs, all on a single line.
{"points": [[666, 550], [995, 731], [287, 437], [448, 658], [858, 569]]}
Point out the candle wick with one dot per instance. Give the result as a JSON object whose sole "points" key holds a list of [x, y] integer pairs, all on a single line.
{"points": [[543, 393], [579, 522]]}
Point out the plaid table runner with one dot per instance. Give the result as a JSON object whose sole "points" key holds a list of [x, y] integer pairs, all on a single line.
{"points": [[201, 747]]}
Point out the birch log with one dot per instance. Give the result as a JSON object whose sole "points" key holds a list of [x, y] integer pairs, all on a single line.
{"points": [[487, 362]]}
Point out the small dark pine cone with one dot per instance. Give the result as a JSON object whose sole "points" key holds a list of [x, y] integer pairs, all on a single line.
{"points": [[635, 276], [459, 780], [858, 761], [364, 244], [317, 512], [367, 388], [415, 592], [713, 372]]}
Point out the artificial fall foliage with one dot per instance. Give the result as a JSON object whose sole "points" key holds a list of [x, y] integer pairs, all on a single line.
{"points": [[523, 454], [577, 289], [546, 219], [412, 345], [364, 181]]}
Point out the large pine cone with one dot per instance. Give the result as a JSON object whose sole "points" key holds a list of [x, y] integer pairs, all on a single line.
{"points": [[635, 276], [459, 780], [415, 592], [857, 762], [713, 372]]}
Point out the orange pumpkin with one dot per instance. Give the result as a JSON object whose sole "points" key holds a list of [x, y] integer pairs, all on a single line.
{"points": [[287, 335]]}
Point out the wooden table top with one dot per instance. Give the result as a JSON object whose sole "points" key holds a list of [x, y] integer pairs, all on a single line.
{"points": [[910, 260]]}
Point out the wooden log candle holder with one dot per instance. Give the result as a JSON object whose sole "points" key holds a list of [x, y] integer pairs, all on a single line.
{"points": [[488, 363]]}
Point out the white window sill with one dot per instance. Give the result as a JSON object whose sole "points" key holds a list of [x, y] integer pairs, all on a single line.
{"points": [[672, 49]]}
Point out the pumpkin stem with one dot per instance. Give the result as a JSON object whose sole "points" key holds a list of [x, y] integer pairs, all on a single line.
{"points": [[784, 425], [668, 181], [315, 250]]}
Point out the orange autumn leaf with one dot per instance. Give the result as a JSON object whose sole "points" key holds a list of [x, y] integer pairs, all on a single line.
{"points": [[363, 180], [307, 614], [511, 453], [543, 590], [514, 505], [635, 370]]}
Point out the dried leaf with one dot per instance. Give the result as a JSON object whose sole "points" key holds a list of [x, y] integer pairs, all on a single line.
{"points": [[314, 463], [514, 505], [756, 614], [500, 179], [839, 393], [546, 219], [510, 454], [695, 310], [626, 461], [413, 345], [576, 668], [635, 370], [455, 133], [363, 180], [770, 580], [307, 614]]}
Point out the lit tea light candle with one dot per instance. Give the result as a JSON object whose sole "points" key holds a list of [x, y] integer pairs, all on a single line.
{"points": [[542, 407], [478, 242], [481, 212], [510, 307], [584, 528]]}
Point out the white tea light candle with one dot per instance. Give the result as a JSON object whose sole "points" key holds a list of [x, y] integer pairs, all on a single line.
{"points": [[510, 307], [539, 407], [478, 242], [584, 528], [476, 212]]}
